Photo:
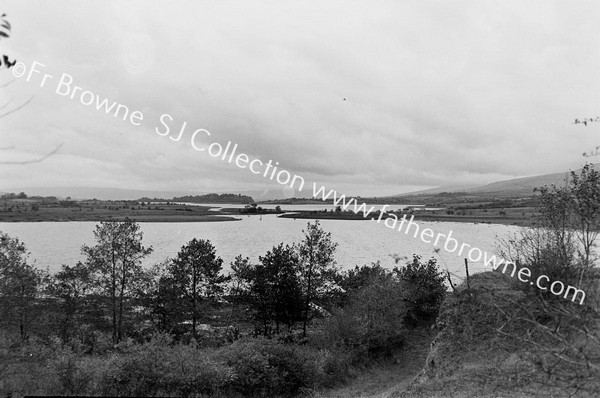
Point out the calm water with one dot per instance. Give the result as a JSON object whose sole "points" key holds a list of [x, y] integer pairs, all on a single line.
{"points": [[360, 242]]}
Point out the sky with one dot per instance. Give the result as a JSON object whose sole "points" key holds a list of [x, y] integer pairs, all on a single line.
{"points": [[369, 98]]}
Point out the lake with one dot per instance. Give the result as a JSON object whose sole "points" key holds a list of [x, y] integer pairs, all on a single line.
{"points": [[360, 242]]}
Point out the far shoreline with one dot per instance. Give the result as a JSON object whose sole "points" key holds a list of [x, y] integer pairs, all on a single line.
{"points": [[228, 217], [52, 210], [157, 219], [520, 222]]}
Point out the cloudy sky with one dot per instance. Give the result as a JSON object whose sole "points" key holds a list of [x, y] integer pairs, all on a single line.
{"points": [[437, 92]]}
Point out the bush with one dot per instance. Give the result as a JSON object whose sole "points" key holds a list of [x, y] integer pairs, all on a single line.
{"points": [[544, 253], [424, 288], [23, 369], [267, 368], [72, 374], [333, 367], [158, 368], [372, 321], [252, 367]]}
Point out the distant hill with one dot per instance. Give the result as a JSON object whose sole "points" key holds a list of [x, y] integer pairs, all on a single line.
{"points": [[523, 185], [515, 187], [433, 191]]}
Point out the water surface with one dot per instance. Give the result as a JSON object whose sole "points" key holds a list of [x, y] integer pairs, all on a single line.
{"points": [[360, 242]]}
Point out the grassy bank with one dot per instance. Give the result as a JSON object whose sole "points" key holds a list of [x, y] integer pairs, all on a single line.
{"points": [[484, 344], [495, 339], [31, 210]]}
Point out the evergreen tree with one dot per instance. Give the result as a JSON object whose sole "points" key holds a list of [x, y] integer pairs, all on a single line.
{"points": [[196, 275], [316, 253]]}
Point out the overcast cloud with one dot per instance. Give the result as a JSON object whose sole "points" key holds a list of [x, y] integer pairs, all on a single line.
{"points": [[438, 92]]}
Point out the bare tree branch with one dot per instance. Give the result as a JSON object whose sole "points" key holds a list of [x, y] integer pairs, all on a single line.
{"points": [[17, 108], [6, 103], [8, 84], [35, 160]]}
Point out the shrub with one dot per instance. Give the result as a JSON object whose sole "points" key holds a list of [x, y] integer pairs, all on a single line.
{"points": [[424, 288], [545, 252], [372, 321], [157, 368], [23, 369], [267, 368], [332, 366], [73, 377]]}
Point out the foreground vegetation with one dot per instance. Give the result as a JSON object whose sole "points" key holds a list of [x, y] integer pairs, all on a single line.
{"points": [[290, 324]]}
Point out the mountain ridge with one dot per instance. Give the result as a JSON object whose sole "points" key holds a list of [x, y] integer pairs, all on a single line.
{"points": [[515, 186]]}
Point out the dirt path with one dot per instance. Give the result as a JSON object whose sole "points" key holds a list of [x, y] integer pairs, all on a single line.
{"points": [[383, 381]]}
